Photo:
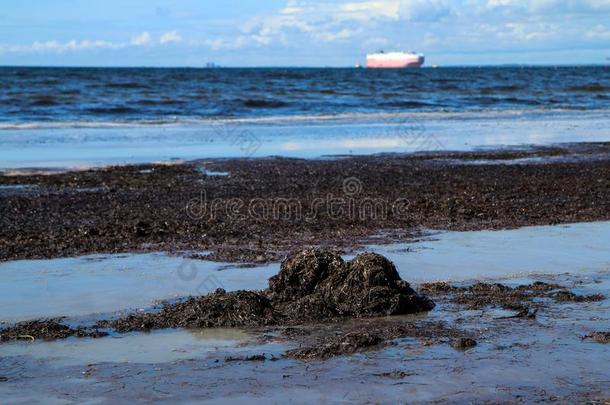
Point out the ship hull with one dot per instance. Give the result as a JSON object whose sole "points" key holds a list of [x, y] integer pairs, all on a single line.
{"points": [[394, 61]]}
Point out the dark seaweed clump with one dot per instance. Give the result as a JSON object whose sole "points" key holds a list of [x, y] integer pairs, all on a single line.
{"points": [[519, 299], [569, 296], [599, 337], [49, 329], [312, 286], [324, 342], [219, 309]]}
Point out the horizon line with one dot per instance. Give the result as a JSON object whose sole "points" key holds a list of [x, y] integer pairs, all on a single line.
{"points": [[215, 66]]}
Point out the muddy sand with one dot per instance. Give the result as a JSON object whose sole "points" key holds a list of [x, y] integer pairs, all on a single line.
{"points": [[357, 315], [516, 340], [312, 286], [310, 299], [257, 210]]}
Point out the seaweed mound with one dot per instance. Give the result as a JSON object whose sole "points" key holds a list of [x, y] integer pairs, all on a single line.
{"points": [[303, 273], [314, 285]]}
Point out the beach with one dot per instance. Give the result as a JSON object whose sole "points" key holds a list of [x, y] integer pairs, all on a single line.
{"points": [[258, 210], [325, 240]]}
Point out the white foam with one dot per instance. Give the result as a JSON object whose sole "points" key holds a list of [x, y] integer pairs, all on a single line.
{"points": [[175, 121], [300, 137]]}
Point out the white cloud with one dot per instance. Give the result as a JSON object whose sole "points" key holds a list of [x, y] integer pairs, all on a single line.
{"points": [[430, 10], [273, 28], [225, 44], [552, 6], [528, 31], [54, 46], [171, 36], [142, 39], [431, 26], [431, 41], [237, 42], [292, 7], [330, 22], [599, 32], [497, 3], [60, 47], [318, 21], [367, 10], [407, 10], [343, 34], [376, 41]]}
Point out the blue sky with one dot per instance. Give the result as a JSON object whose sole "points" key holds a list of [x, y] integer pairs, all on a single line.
{"points": [[301, 32]]}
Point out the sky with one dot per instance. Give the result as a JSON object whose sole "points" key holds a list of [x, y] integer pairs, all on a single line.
{"points": [[301, 32]]}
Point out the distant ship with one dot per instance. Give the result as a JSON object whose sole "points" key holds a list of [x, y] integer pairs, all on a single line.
{"points": [[395, 60]]}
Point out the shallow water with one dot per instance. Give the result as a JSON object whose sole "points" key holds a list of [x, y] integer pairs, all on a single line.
{"points": [[153, 347], [575, 248], [514, 359], [106, 283], [17, 189], [303, 137]]}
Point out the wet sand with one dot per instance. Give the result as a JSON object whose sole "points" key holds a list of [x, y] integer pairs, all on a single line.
{"points": [[265, 208], [480, 342], [102, 284], [544, 359]]}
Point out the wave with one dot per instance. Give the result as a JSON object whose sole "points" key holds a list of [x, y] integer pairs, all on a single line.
{"points": [[410, 104], [526, 101], [159, 102], [44, 101], [264, 103], [350, 117], [500, 89], [112, 110], [127, 85], [590, 88]]}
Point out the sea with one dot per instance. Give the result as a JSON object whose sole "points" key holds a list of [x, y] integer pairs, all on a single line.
{"points": [[80, 117]]}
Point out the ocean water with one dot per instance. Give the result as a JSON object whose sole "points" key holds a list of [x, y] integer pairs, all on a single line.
{"points": [[95, 116], [165, 95]]}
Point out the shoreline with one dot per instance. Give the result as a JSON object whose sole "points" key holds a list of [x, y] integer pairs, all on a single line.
{"points": [[491, 335], [404, 132], [494, 332], [258, 210]]}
